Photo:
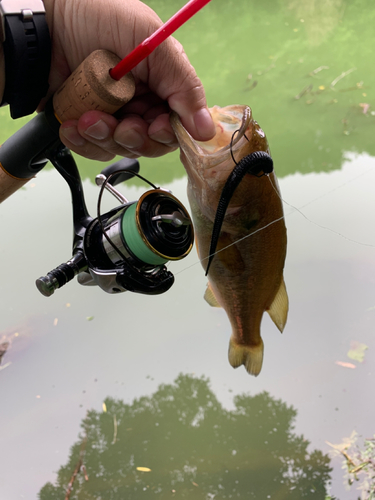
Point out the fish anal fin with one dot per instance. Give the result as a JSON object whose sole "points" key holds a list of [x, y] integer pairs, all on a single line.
{"points": [[278, 310], [249, 356], [210, 298]]}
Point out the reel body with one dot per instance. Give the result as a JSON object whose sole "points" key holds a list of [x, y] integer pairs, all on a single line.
{"points": [[127, 248], [139, 245]]}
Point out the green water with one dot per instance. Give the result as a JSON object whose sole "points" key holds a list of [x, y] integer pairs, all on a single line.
{"points": [[172, 402]]}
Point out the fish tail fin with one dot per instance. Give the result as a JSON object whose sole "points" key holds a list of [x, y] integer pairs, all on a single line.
{"points": [[249, 356]]}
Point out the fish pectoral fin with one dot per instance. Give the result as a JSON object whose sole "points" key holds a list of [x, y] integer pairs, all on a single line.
{"points": [[210, 298], [251, 356], [279, 307]]}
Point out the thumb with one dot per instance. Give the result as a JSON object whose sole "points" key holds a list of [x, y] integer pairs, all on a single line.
{"points": [[174, 79]]}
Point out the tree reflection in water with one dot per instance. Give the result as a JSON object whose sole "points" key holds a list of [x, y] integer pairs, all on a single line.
{"points": [[195, 449]]}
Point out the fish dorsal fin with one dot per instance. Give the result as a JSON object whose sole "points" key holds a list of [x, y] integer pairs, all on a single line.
{"points": [[210, 298], [279, 307]]}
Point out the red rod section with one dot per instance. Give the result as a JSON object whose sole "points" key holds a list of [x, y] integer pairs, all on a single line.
{"points": [[149, 45]]}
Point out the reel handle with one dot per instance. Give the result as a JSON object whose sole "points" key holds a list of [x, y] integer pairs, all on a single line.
{"points": [[61, 275]]}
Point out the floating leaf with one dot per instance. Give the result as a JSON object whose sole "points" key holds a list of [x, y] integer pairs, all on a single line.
{"points": [[357, 351], [365, 107], [55, 321], [359, 467], [104, 408], [143, 469], [345, 365], [90, 318]]}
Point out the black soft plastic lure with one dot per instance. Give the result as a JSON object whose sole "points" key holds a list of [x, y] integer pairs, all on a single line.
{"points": [[258, 163]]}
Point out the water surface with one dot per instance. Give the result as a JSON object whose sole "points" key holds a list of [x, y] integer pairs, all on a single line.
{"points": [[173, 403]]}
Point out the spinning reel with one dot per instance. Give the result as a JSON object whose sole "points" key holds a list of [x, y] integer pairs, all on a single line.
{"points": [[127, 248]]}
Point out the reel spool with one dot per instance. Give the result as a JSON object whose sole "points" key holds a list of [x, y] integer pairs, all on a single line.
{"points": [[153, 230], [140, 237]]}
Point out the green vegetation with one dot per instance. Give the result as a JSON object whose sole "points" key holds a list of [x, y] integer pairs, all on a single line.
{"points": [[358, 464]]}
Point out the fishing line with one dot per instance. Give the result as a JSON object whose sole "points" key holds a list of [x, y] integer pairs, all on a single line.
{"points": [[231, 144], [234, 243], [336, 188], [284, 216], [319, 225], [243, 160]]}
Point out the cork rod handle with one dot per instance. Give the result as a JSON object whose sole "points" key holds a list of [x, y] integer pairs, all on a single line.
{"points": [[90, 87]]}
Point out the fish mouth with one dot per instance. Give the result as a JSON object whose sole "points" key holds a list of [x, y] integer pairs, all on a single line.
{"points": [[227, 120]]}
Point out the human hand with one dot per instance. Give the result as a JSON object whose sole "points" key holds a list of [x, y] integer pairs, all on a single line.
{"points": [[165, 80]]}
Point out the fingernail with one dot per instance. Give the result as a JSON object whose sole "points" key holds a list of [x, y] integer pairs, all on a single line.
{"points": [[99, 130], [130, 139], [164, 137], [72, 135], [204, 124]]}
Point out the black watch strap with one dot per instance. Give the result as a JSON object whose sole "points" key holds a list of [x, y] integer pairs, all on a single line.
{"points": [[27, 54]]}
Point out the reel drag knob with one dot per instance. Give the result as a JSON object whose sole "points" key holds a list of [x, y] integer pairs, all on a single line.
{"points": [[163, 224]]}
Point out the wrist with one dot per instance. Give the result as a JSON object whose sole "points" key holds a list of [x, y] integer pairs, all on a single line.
{"points": [[26, 55], [49, 6]]}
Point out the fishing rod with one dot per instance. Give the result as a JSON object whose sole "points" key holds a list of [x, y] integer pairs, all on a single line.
{"points": [[126, 248]]}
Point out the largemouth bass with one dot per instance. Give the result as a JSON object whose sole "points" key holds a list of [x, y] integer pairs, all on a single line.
{"points": [[245, 276]]}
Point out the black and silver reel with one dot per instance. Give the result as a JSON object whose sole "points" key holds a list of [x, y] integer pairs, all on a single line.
{"points": [[127, 248]]}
